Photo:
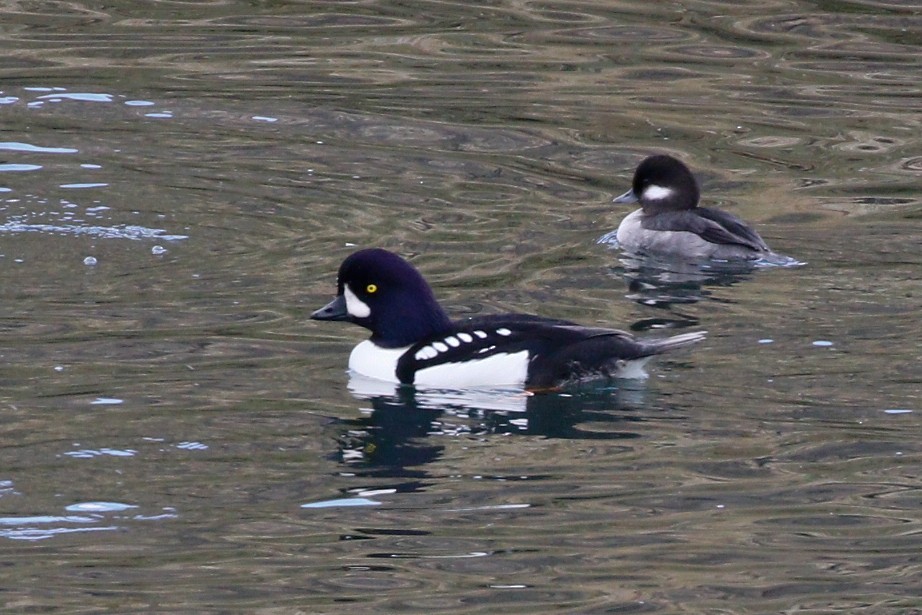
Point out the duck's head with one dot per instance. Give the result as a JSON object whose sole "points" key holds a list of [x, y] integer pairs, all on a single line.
{"points": [[662, 183], [382, 292]]}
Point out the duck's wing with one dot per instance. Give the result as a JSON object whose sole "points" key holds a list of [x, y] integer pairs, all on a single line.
{"points": [[602, 352], [713, 225], [485, 337], [556, 351], [735, 226]]}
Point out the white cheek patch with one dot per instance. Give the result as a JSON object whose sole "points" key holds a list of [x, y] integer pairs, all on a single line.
{"points": [[355, 306], [656, 193]]}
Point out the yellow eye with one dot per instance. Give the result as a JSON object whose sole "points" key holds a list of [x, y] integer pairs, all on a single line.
{"points": [[371, 288]]}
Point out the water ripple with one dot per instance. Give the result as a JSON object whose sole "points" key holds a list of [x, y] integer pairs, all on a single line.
{"points": [[130, 232], [28, 147], [484, 141]]}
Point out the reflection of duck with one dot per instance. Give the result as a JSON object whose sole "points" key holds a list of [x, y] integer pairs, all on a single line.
{"points": [[414, 342], [403, 426], [666, 283], [671, 223]]}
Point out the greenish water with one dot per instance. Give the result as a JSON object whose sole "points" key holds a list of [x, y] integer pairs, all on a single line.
{"points": [[179, 182]]}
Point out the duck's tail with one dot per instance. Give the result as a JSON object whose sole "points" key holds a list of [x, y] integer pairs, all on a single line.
{"points": [[675, 342]]}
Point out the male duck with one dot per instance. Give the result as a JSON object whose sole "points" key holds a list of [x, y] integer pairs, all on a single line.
{"points": [[414, 342]]}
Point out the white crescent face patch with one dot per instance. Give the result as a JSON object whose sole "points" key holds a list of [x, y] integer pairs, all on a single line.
{"points": [[355, 306]]}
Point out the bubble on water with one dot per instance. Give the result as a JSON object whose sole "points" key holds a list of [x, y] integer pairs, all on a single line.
{"points": [[90, 261], [822, 343], [158, 250]]}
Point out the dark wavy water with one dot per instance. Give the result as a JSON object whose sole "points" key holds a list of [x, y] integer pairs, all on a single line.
{"points": [[179, 181]]}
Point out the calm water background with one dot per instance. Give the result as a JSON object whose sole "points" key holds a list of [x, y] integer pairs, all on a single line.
{"points": [[179, 182]]}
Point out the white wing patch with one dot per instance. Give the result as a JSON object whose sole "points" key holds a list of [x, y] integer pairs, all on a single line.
{"points": [[355, 306], [430, 351], [426, 352]]}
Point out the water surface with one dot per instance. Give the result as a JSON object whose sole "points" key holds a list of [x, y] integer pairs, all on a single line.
{"points": [[179, 182]]}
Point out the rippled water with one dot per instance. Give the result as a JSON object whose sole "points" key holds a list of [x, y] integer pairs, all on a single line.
{"points": [[179, 181]]}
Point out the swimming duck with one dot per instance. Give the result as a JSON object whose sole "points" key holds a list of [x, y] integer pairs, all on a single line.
{"points": [[671, 223], [414, 342]]}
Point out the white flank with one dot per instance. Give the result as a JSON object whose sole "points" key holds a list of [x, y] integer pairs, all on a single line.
{"points": [[373, 361], [480, 334], [504, 369], [496, 370], [355, 306], [504, 332], [656, 193], [466, 337], [452, 341], [634, 238]]}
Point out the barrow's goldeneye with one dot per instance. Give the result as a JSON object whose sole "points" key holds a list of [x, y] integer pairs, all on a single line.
{"points": [[414, 342]]}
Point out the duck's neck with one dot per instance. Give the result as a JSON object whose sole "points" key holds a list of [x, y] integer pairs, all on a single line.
{"points": [[415, 321]]}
